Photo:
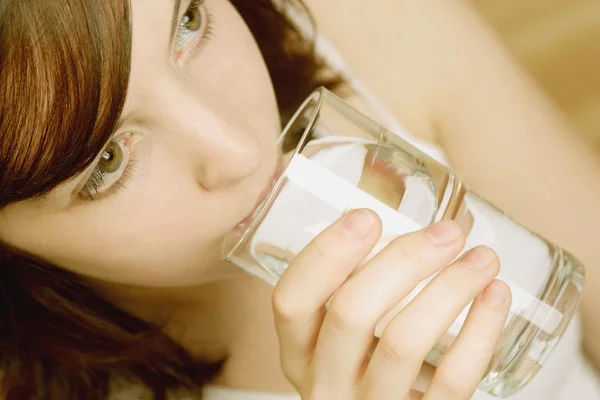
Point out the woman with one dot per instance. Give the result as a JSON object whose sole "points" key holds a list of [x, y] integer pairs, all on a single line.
{"points": [[124, 129]]}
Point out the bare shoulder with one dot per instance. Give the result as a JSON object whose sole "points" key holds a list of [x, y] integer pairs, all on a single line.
{"points": [[410, 53]]}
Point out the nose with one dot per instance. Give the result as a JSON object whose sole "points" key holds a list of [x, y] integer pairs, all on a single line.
{"points": [[219, 140], [227, 154], [222, 147]]}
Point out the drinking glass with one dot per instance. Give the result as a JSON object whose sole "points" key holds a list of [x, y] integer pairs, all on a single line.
{"points": [[339, 160]]}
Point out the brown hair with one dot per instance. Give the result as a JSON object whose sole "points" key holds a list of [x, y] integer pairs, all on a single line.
{"points": [[64, 71]]}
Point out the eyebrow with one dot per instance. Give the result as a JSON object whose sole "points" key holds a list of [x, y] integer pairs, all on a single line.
{"points": [[175, 19]]}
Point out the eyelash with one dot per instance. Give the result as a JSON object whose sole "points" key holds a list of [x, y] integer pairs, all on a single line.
{"points": [[91, 190], [203, 37]]}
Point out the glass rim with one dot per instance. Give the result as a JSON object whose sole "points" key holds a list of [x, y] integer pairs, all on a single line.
{"points": [[318, 98]]}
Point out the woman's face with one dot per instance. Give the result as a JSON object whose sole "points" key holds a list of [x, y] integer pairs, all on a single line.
{"points": [[196, 149]]}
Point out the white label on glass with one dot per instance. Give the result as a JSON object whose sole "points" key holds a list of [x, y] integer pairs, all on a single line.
{"points": [[343, 196]]}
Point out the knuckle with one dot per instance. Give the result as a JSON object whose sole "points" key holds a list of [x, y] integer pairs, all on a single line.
{"points": [[345, 313], [284, 307], [398, 351], [411, 256], [292, 371], [480, 338], [454, 386], [319, 249]]}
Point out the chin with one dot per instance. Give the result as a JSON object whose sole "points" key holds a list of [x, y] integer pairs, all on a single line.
{"points": [[222, 271]]}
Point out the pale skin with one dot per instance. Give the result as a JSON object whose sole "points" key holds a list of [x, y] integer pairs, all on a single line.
{"points": [[149, 246]]}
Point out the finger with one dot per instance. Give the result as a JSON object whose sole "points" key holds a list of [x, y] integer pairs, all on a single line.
{"points": [[462, 369], [349, 326], [425, 377], [312, 279], [414, 395], [412, 334]]}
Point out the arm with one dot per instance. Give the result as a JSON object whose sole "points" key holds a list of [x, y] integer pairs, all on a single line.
{"points": [[448, 78]]}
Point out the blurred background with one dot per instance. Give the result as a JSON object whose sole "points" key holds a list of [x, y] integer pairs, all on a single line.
{"points": [[558, 42]]}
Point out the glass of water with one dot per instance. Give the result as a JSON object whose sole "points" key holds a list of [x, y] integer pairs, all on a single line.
{"points": [[339, 160]]}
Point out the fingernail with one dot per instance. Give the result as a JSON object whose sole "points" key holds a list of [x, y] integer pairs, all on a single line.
{"points": [[443, 232], [480, 257], [494, 294], [358, 224]]}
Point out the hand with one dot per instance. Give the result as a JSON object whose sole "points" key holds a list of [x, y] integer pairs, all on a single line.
{"points": [[325, 352]]}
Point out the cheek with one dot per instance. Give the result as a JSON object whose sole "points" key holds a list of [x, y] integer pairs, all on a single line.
{"points": [[165, 242], [160, 258], [171, 243]]}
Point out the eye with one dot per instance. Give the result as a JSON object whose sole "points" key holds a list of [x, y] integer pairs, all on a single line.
{"points": [[192, 19], [111, 171], [194, 28], [111, 159]]}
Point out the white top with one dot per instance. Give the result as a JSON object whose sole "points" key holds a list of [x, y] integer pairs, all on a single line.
{"points": [[566, 375]]}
